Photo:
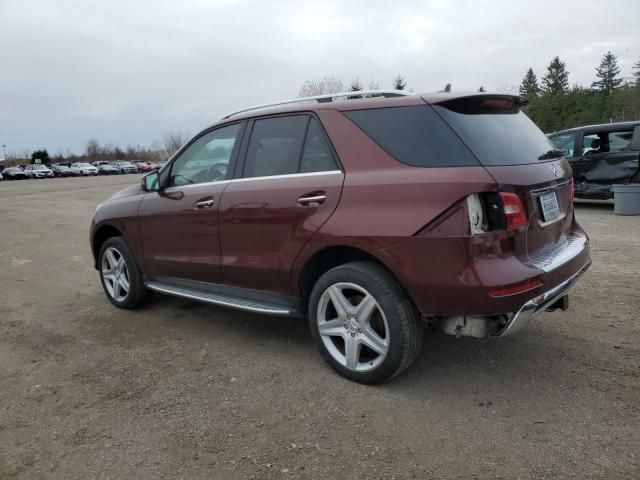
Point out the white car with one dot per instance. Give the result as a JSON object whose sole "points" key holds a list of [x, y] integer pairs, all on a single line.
{"points": [[38, 170], [83, 168]]}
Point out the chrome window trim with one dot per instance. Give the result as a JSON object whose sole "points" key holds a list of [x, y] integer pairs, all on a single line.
{"points": [[268, 177]]}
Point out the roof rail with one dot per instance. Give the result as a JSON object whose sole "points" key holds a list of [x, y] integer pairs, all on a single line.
{"points": [[327, 98]]}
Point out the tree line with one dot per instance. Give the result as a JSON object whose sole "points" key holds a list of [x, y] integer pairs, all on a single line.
{"points": [[553, 105]]}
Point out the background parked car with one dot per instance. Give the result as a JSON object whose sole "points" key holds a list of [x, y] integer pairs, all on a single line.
{"points": [[105, 168], [143, 167], [38, 171], [124, 166], [1, 177], [61, 171], [14, 173], [83, 168], [601, 156]]}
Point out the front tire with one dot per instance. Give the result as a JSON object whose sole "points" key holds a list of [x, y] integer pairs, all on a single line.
{"points": [[120, 276], [363, 323]]}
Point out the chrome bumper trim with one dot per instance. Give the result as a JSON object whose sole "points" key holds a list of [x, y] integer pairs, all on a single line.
{"points": [[559, 255], [538, 304]]}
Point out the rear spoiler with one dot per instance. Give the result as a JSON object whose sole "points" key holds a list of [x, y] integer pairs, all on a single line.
{"points": [[477, 102]]}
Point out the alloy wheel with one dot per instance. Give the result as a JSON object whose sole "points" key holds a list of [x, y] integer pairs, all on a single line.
{"points": [[115, 274], [353, 327]]}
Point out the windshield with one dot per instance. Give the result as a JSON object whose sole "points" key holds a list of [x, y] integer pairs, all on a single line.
{"points": [[39, 167], [496, 135], [84, 165]]}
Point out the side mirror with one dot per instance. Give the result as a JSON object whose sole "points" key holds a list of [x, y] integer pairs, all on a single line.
{"points": [[151, 181]]}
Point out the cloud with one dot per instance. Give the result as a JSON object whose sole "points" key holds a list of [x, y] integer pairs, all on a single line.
{"points": [[126, 71]]}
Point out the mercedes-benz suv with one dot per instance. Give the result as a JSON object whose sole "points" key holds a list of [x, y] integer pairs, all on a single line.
{"points": [[369, 216]]}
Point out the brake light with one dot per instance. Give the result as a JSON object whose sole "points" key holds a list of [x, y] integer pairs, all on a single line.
{"points": [[530, 284], [514, 212]]}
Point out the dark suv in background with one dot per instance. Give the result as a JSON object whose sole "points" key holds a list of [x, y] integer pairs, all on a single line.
{"points": [[369, 216], [601, 156]]}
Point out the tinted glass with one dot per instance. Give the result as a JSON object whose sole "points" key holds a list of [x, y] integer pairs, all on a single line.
{"points": [[413, 135], [497, 136], [207, 159], [274, 147], [564, 142], [316, 154]]}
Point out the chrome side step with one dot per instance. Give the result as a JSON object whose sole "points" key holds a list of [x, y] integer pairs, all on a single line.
{"points": [[218, 299]]}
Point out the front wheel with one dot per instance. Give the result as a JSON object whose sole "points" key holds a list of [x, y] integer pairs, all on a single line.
{"points": [[363, 323], [121, 279]]}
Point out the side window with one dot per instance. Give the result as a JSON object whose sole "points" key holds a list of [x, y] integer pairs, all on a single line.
{"points": [[564, 142], [274, 147], [316, 155], [207, 159], [604, 142]]}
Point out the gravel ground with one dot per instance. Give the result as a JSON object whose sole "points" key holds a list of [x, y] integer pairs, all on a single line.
{"points": [[184, 390]]}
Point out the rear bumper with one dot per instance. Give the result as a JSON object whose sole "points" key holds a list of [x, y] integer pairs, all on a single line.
{"points": [[539, 304]]}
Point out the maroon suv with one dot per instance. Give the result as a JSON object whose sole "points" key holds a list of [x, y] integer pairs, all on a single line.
{"points": [[370, 216]]}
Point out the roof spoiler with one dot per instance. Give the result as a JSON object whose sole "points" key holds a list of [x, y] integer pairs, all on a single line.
{"points": [[480, 100]]}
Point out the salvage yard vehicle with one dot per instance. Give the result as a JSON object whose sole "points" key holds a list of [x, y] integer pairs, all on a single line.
{"points": [[143, 167], [61, 171], [124, 166], [38, 170], [369, 216], [83, 168], [601, 156], [106, 168], [14, 173]]}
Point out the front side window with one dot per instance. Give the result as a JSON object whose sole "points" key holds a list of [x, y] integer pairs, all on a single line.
{"points": [[274, 147], [564, 142], [207, 159]]}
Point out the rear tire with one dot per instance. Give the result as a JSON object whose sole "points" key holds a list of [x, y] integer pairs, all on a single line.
{"points": [[120, 276], [363, 323]]}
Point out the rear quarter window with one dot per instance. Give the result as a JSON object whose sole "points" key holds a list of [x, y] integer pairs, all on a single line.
{"points": [[414, 135]]}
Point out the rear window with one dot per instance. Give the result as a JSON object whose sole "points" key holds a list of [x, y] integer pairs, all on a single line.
{"points": [[414, 135], [497, 136]]}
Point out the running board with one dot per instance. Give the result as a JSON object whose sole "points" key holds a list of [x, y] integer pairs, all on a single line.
{"points": [[219, 299]]}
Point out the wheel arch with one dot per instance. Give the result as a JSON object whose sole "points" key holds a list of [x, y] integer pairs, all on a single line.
{"points": [[330, 257], [101, 235]]}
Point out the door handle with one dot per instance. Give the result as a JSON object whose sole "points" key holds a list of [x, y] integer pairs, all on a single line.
{"points": [[205, 203], [312, 199]]}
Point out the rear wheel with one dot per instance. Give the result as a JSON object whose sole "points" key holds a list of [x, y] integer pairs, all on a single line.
{"points": [[364, 325], [121, 279]]}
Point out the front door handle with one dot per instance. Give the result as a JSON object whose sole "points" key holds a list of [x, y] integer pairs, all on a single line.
{"points": [[312, 199], [204, 203]]}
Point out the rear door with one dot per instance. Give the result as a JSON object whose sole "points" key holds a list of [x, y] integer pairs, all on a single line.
{"points": [[287, 187], [179, 224]]}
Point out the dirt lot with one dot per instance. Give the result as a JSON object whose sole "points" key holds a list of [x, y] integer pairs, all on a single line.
{"points": [[184, 390]]}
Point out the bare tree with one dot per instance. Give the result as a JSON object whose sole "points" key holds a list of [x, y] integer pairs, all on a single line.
{"points": [[373, 85], [92, 149], [172, 141], [323, 86]]}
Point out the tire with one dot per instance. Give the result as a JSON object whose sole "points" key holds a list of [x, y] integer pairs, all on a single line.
{"points": [[383, 317], [112, 251]]}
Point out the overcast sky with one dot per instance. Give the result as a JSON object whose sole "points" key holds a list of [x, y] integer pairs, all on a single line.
{"points": [[125, 71]]}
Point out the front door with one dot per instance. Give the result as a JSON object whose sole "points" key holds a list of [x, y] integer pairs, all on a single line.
{"points": [[290, 185], [179, 224]]}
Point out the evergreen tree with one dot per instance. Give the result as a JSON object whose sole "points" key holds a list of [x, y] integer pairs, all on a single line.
{"points": [[356, 85], [607, 72], [557, 78], [529, 87], [481, 89], [41, 155], [399, 83], [636, 72]]}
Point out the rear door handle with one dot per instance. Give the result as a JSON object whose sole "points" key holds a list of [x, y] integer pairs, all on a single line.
{"points": [[204, 203], [312, 199]]}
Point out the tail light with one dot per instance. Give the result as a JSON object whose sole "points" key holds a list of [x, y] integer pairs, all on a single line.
{"points": [[530, 284], [494, 211], [514, 212]]}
